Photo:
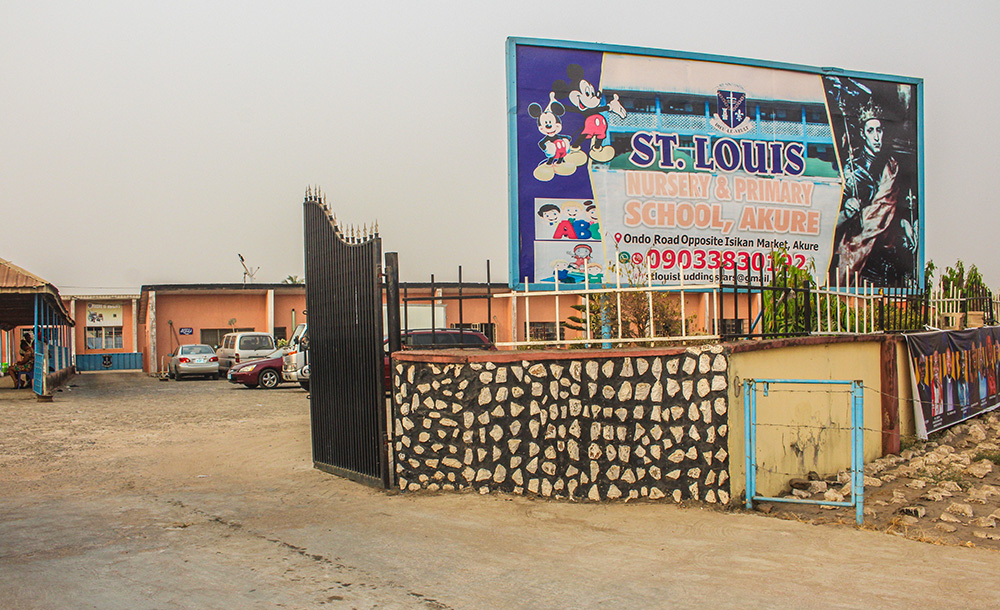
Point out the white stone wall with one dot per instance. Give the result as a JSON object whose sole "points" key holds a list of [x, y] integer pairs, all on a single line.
{"points": [[583, 429]]}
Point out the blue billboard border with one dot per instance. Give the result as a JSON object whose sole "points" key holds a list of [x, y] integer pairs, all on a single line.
{"points": [[513, 42]]}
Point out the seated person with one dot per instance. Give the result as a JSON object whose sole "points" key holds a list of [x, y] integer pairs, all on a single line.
{"points": [[25, 365]]}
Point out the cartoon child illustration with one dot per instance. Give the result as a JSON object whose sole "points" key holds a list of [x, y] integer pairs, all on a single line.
{"points": [[581, 254], [560, 269], [572, 211], [572, 225], [555, 146], [549, 212], [586, 100], [590, 215]]}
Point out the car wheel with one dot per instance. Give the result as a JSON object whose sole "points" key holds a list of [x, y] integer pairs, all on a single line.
{"points": [[269, 379], [305, 385], [170, 374], [177, 376]]}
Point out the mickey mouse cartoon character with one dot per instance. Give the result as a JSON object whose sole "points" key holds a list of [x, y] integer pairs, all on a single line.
{"points": [[554, 146], [586, 100]]}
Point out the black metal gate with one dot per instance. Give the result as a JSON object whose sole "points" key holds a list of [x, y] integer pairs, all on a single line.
{"points": [[344, 300]]}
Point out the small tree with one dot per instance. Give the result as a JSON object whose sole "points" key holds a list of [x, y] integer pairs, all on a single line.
{"points": [[974, 280], [635, 311], [953, 277], [791, 308], [929, 270], [785, 312]]}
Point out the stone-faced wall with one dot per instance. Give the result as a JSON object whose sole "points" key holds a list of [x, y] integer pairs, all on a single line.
{"points": [[624, 426]]}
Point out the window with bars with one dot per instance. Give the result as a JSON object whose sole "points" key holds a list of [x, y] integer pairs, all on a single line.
{"points": [[546, 331]]}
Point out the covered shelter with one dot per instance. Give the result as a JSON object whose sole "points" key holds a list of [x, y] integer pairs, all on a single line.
{"points": [[31, 307]]}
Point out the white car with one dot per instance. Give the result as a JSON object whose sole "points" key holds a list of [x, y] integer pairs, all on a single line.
{"points": [[192, 360]]}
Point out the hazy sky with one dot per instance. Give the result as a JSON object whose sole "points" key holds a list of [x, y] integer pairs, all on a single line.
{"points": [[146, 143]]}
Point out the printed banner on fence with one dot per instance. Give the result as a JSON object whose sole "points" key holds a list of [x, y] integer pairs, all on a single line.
{"points": [[649, 159], [954, 376]]}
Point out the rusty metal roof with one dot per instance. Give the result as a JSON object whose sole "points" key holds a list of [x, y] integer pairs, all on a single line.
{"points": [[18, 289], [15, 279]]}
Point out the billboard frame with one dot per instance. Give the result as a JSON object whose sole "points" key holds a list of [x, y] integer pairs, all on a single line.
{"points": [[515, 280]]}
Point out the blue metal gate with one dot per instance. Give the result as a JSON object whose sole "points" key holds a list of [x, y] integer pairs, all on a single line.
{"points": [[857, 442], [109, 362]]}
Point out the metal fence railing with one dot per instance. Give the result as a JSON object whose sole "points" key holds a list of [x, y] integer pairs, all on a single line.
{"points": [[951, 307], [635, 313], [738, 304], [793, 304], [423, 305]]}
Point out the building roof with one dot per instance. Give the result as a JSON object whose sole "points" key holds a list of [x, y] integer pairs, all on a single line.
{"points": [[18, 290], [449, 288], [175, 289], [100, 297], [16, 279]]}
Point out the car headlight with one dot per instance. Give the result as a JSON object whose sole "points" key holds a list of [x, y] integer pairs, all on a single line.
{"points": [[244, 369]]}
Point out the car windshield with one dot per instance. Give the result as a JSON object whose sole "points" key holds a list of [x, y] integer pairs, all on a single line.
{"points": [[192, 350], [276, 353]]}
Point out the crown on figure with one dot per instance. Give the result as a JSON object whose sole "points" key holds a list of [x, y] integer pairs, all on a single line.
{"points": [[870, 112]]}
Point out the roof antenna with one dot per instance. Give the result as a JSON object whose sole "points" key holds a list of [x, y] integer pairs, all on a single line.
{"points": [[247, 273]]}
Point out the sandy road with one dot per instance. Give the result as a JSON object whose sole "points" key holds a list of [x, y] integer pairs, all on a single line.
{"points": [[130, 493]]}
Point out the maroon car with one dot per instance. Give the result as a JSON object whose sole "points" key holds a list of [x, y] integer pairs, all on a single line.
{"points": [[264, 373], [439, 338]]}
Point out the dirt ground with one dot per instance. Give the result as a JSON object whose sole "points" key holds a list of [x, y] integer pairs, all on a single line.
{"points": [[945, 490], [129, 493]]}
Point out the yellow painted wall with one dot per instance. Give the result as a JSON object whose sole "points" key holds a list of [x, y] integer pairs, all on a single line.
{"points": [[802, 440]]}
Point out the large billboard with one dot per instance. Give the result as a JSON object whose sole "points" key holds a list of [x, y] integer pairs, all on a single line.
{"points": [[682, 164]]}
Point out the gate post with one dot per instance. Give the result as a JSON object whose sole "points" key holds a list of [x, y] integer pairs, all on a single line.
{"points": [[392, 302]]}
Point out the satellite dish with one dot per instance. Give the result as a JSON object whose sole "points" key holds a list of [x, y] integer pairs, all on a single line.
{"points": [[247, 272]]}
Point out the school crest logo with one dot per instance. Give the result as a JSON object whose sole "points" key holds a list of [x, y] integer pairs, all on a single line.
{"points": [[731, 111]]}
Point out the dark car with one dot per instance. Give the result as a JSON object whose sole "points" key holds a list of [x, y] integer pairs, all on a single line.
{"points": [[264, 373], [439, 338]]}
